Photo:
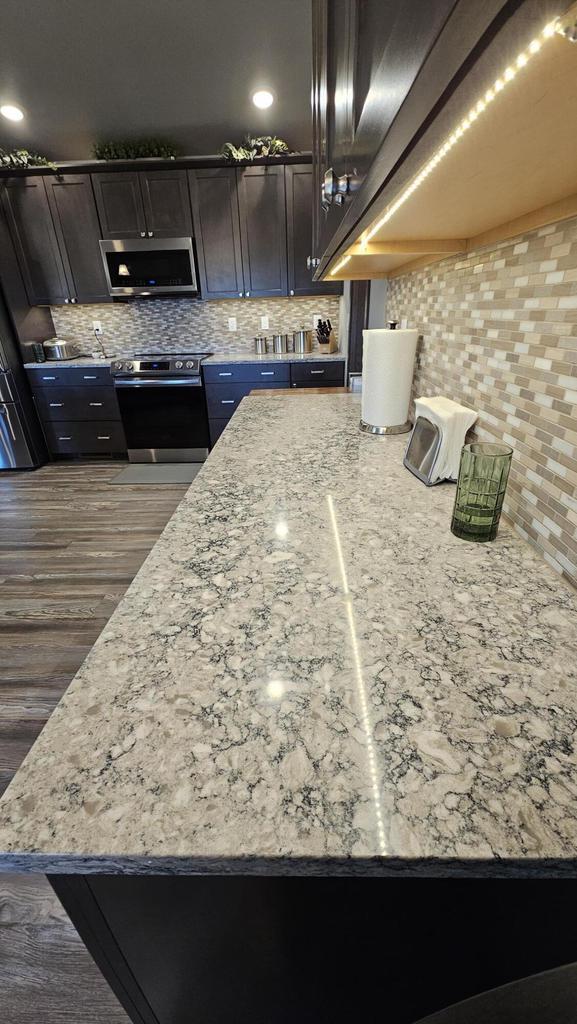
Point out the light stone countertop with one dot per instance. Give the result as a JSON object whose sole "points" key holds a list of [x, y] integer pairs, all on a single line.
{"points": [[311, 675], [217, 358]]}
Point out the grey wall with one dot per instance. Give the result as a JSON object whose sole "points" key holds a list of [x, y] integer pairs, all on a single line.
{"points": [[82, 69]]}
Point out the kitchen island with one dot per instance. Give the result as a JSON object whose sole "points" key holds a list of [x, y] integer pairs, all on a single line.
{"points": [[310, 676]]}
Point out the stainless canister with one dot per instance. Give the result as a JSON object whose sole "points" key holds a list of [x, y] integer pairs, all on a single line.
{"points": [[303, 341], [260, 345], [280, 343]]}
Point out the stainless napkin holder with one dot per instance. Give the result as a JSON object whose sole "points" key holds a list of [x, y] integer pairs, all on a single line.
{"points": [[422, 450]]}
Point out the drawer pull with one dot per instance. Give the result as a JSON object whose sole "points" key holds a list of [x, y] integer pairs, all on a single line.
{"points": [[56, 405], [227, 401], [65, 438], [49, 378], [227, 374], [316, 371], [89, 376], [267, 373], [95, 404], [103, 437]]}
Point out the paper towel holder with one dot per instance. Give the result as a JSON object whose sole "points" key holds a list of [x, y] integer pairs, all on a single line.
{"points": [[401, 428]]}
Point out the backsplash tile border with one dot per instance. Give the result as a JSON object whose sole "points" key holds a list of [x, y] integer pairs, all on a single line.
{"points": [[498, 333]]}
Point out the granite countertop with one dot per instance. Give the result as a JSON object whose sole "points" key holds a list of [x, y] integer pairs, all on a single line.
{"points": [[218, 357], [311, 675]]}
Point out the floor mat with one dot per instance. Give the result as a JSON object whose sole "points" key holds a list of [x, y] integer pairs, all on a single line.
{"points": [[159, 473]]}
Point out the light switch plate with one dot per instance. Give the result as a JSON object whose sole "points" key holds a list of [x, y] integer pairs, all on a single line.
{"points": [[264, 323], [232, 323], [97, 326]]}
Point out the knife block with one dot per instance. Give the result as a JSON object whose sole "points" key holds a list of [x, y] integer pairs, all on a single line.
{"points": [[329, 346]]}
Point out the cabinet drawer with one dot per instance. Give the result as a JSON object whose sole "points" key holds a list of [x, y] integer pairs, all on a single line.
{"points": [[223, 399], [318, 372], [84, 438], [75, 376], [72, 403], [216, 428], [231, 372]]}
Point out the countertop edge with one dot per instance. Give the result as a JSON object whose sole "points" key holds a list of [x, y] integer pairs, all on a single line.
{"points": [[343, 867]]}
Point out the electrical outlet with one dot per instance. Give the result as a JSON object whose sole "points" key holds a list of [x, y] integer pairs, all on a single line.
{"points": [[264, 323], [316, 318], [232, 323], [97, 326]]}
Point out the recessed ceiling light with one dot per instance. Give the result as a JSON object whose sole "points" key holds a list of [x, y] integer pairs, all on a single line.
{"points": [[262, 99], [11, 112]]}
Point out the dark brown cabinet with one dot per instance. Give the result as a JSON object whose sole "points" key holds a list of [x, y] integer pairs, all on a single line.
{"points": [[143, 204], [75, 220], [261, 199], [213, 193], [78, 408], [27, 212], [299, 202]]}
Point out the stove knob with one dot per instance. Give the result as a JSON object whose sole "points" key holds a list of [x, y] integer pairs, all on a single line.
{"points": [[117, 366], [128, 366], [189, 364], [179, 364]]}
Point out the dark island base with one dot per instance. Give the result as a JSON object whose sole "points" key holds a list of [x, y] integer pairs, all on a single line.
{"points": [[231, 950]]}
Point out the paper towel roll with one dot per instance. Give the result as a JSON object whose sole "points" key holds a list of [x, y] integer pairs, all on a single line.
{"points": [[388, 362]]}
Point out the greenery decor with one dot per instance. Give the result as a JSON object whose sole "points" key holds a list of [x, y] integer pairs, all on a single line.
{"points": [[251, 147], [22, 158], [135, 149]]}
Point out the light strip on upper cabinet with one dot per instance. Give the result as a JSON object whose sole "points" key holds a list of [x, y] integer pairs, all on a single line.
{"points": [[476, 111]]}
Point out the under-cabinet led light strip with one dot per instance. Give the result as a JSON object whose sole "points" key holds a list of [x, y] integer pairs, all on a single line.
{"points": [[556, 26]]}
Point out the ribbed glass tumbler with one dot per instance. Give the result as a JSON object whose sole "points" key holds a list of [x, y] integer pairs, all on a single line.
{"points": [[483, 475]]}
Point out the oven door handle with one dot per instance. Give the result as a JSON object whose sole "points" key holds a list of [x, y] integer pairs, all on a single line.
{"points": [[158, 382]]}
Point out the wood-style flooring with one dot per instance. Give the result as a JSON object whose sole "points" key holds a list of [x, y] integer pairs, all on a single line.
{"points": [[70, 544]]}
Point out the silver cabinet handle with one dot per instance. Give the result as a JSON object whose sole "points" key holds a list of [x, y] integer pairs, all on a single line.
{"points": [[227, 374], [292, 291], [247, 294], [103, 437], [267, 373], [143, 234], [4, 411], [95, 404], [49, 378], [66, 301], [89, 376], [56, 405], [73, 300], [227, 401], [150, 234], [316, 371], [65, 438], [240, 295]]}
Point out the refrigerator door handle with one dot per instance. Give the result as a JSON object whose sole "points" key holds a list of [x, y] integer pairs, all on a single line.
{"points": [[5, 412]]}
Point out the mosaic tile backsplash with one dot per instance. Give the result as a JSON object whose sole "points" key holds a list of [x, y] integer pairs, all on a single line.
{"points": [[499, 334], [177, 325]]}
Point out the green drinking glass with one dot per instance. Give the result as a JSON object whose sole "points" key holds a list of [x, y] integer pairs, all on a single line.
{"points": [[483, 475]]}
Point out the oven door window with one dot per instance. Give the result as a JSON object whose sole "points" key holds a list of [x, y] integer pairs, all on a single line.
{"points": [[161, 268], [166, 416]]}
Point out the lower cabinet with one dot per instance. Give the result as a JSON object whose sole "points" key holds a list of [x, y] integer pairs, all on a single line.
{"points": [[227, 383], [78, 410]]}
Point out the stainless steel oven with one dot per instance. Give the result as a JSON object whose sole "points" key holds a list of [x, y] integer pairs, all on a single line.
{"points": [[162, 407], [149, 266]]}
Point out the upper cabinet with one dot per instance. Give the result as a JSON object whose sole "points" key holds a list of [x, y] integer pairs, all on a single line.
{"points": [[215, 207], [261, 196], [25, 204], [301, 263], [75, 220], [143, 204]]}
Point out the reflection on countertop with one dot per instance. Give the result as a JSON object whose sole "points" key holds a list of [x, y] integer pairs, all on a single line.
{"points": [[312, 675]]}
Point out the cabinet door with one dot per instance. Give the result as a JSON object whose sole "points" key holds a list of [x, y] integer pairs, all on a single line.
{"points": [[213, 192], [261, 196], [28, 214], [120, 206], [166, 204], [73, 208], [299, 212]]}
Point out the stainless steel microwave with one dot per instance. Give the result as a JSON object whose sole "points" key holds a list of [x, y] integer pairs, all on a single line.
{"points": [[149, 266]]}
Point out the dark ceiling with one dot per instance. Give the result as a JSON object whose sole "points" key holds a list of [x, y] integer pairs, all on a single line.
{"points": [[90, 69]]}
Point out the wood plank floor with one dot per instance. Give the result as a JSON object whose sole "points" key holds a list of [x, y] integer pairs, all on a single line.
{"points": [[70, 544]]}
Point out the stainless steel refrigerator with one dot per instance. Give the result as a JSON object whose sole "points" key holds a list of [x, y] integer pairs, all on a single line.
{"points": [[21, 440]]}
